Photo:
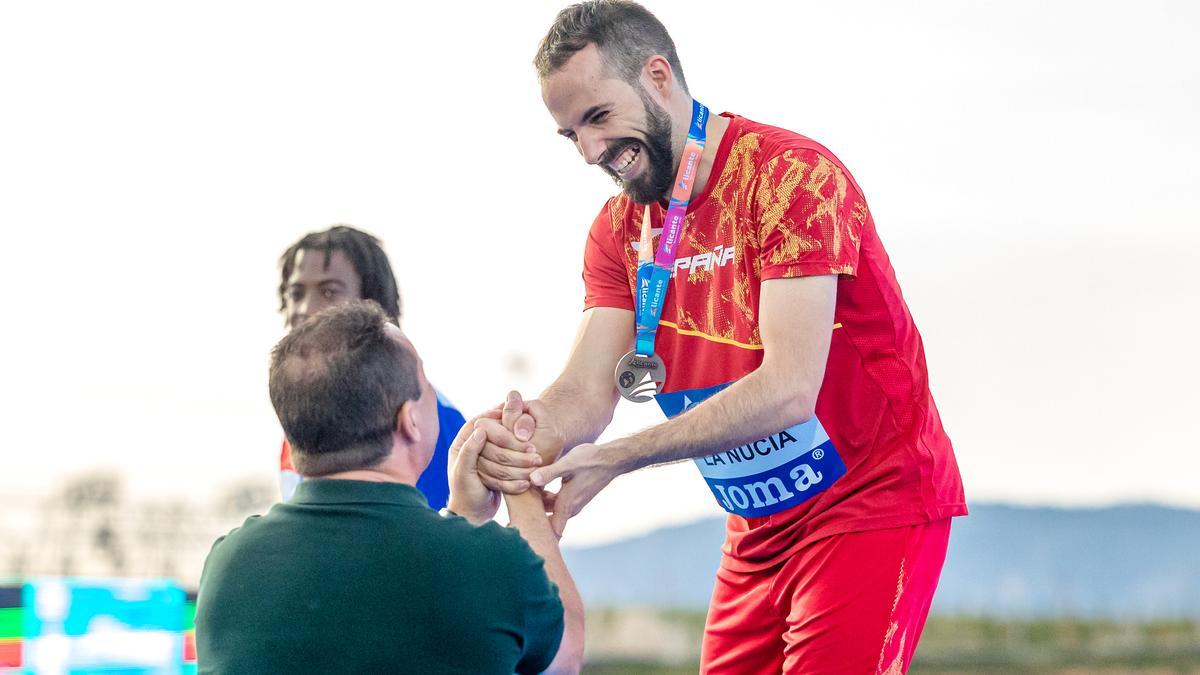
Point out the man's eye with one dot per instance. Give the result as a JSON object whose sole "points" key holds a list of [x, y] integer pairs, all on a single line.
{"points": [[296, 294], [329, 293], [599, 117]]}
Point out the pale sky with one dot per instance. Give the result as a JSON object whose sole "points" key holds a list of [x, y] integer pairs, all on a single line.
{"points": [[1028, 164]]}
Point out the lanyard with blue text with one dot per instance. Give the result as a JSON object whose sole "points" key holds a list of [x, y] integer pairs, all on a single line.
{"points": [[640, 373]]}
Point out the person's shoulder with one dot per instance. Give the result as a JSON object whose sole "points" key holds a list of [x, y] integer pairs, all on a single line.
{"points": [[489, 533], [780, 153], [491, 538], [448, 413], [774, 142], [443, 401], [251, 529], [617, 217], [226, 547], [617, 211], [248, 529]]}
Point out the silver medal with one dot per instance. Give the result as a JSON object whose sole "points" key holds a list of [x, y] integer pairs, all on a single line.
{"points": [[639, 378]]}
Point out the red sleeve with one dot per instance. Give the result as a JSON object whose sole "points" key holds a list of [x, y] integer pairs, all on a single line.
{"points": [[605, 276], [811, 216]]}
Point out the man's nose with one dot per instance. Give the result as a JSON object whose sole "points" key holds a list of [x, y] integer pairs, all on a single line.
{"points": [[298, 314], [592, 147]]}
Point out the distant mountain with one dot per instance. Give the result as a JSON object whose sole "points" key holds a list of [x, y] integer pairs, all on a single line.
{"points": [[1137, 561]]}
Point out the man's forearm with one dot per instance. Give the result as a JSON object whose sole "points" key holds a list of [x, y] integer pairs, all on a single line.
{"points": [[757, 405], [528, 515], [580, 414]]}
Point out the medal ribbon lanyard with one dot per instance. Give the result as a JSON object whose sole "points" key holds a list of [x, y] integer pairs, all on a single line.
{"points": [[654, 274]]}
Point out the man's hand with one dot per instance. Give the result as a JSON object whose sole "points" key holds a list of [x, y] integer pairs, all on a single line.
{"points": [[469, 497], [585, 471], [525, 439], [547, 438]]}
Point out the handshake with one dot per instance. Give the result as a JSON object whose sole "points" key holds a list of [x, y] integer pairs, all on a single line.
{"points": [[515, 448]]}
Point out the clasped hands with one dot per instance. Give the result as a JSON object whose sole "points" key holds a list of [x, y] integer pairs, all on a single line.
{"points": [[517, 447]]}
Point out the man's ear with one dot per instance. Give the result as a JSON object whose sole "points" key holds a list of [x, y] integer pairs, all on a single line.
{"points": [[657, 75], [406, 422]]}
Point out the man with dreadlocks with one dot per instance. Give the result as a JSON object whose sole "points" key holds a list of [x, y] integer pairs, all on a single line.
{"points": [[739, 281], [338, 265]]}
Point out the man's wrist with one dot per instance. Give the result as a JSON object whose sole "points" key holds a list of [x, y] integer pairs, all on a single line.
{"points": [[474, 516], [531, 498], [525, 508], [617, 456]]}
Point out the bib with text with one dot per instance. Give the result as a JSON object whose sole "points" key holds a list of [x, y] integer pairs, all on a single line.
{"points": [[770, 474]]}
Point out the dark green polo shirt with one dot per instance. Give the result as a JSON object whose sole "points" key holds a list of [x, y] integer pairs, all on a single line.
{"points": [[351, 576]]}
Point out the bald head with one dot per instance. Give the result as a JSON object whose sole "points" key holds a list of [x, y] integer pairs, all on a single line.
{"points": [[337, 382]]}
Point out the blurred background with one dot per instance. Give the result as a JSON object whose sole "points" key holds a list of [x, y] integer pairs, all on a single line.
{"points": [[1029, 166]]}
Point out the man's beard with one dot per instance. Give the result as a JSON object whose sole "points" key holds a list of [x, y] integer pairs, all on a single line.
{"points": [[655, 181]]}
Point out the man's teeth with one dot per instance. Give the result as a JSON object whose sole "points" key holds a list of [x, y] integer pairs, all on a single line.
{"points": [[627, 159]]}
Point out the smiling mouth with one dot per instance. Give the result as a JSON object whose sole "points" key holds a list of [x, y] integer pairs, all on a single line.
{"points": [[625, 160]]}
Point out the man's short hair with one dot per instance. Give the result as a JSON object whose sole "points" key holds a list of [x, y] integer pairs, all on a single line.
{"points": [[626, 34], [337, 382], [365, 253]]}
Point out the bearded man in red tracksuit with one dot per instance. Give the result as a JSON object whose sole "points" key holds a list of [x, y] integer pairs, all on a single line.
{"points": [[795, 378]]}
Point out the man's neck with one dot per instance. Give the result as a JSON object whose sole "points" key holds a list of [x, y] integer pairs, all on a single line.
{"points": [[379, 474], [715, 131]]}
